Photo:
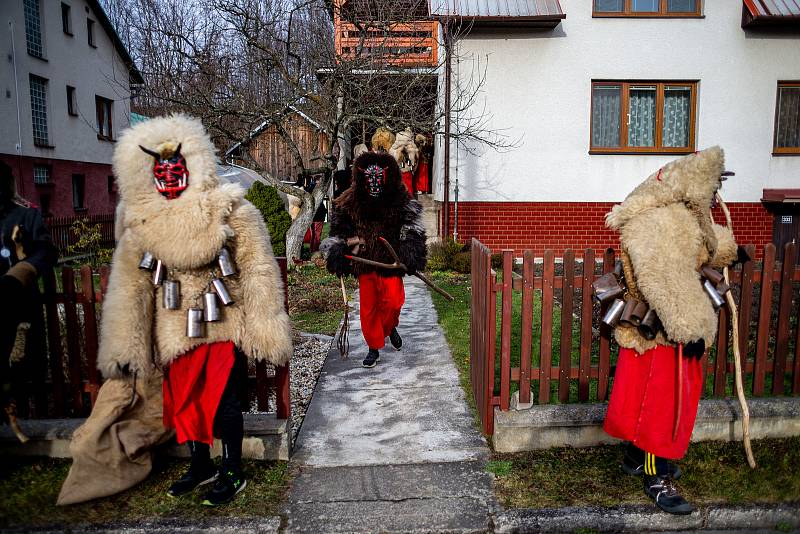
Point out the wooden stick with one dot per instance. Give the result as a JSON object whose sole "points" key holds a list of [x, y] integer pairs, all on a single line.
{"points": [[737, 356], [11, 413]]}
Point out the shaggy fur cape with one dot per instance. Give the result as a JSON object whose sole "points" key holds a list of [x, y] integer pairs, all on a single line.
{"points": [[666, 228], [186, 234], [392, 215]]}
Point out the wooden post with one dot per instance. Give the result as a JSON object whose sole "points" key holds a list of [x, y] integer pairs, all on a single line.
{"points": [[546, 340], [586, 325], [764, 316], [604, 364], [565, 358], [527, 328], [784, 310]]}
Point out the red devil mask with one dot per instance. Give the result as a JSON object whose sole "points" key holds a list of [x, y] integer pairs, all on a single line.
{"points": [[376, 178], [170, 174]]}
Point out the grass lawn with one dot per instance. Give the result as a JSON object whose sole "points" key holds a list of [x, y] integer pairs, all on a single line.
{"points": [[315, 299], [714, 472], [29, 488]]}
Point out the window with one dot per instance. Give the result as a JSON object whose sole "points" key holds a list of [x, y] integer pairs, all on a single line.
{"points": [[104, 115], [44, 204], [643, 117], [66, 18], [78, 191], [72, 104], [39, 110], [646, 8], [41, 174], [787, 119], [90, 32], [33, 28], [111, 189]]}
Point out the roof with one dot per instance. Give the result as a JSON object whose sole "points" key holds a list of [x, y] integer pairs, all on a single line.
{"points": [[546, 13], [102, 18], [264, 125], [762, 12], [781, 195]]}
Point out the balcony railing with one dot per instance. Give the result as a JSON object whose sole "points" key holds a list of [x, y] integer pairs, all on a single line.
{"points": [[407, 44]]}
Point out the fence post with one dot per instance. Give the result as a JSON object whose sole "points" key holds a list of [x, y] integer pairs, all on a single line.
{"points": [[784, 310], [73, 342], [604, 363], [565, 358], [526, 337], [90, 330], [546, 340], [764, 316], [505, 329], [586, 325]]}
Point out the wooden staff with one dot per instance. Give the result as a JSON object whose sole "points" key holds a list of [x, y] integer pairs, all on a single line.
{"points": [[11, 413], [737, 356]]}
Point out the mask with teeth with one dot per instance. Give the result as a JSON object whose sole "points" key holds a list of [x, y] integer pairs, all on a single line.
{"points": [[170, 174], [375, 177]]}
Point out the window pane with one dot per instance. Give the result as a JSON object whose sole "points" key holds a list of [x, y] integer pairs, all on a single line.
{"points": [[41, 174], [681, 6], [677, 116], [39, 109], [612, 6], [788, 129], [605, 115], [78, 188], [642, 116], [33, 27], [644, 6]]}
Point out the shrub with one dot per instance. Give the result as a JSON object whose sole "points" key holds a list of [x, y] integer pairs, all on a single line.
{"points": [[441, 254], [90, 242], [462, 262], [497, 261], [267, 200]]}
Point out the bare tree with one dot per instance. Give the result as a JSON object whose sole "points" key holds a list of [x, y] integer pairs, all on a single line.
{"points": [[238, 64]]}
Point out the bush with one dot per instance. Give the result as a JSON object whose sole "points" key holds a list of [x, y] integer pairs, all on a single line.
{"points": [[462, 262], [441, 254], [497, 261], [267, 200], [90, 242]]}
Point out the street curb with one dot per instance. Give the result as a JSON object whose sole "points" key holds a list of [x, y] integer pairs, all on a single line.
{"points": [[270, 524], [647, 518]]}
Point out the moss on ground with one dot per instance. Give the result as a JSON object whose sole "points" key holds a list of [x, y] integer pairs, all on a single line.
{"points": [[29, 488]]}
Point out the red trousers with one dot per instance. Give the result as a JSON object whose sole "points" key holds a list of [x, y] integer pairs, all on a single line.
{"points": [[381, 298], [193, 387], [643, 404]]}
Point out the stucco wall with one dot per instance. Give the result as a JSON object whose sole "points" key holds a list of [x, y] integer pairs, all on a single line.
{"points": [[69, 61], [538, 87]]}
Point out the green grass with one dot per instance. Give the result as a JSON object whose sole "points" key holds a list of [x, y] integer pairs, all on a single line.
{"points": [[29, 488], [315, 299], [714, 472]]}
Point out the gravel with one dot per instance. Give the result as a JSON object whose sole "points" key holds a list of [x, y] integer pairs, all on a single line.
{"points": [[306, 364]]}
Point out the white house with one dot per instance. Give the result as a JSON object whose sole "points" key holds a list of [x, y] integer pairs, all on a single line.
{"points": [[607, 92], [65, 86]]}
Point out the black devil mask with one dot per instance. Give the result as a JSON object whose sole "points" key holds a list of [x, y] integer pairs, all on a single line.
{"points": [[375, 176], [170, 173]]}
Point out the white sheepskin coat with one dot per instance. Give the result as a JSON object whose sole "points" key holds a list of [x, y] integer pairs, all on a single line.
{"points": [[666, 228], [405, 150], [186, 234]]}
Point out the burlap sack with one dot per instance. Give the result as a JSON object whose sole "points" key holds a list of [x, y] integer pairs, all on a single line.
{"points": [[112, 450]]}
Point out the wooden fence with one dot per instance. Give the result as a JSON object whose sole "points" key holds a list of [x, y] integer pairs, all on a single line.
{"points": [[64, 381], [63, 237], [583, 368]]}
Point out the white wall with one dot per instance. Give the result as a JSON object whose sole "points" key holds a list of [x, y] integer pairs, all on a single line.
{"points": [[69, 61], [538, 87]]}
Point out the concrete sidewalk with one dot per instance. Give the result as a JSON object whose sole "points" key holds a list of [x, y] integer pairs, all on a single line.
{"points": [[392, 448]]}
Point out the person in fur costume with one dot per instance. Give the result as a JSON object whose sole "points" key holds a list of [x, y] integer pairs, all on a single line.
{"points": [[377, 205], [666, 236], [405, 151], [26, 253], [194, 291]]}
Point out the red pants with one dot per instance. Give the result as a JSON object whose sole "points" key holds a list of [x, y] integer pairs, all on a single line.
{"points": [[381, 299], [643, 404], [193, 387]]}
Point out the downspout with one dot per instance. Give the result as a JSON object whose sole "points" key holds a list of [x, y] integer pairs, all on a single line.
{"points": [[448, 70], [21, 188], [458, 153]]}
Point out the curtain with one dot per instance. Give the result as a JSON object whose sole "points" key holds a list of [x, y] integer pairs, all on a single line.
{"points": [[605, 115], [788, 130], [677, 116], [642, 122]]}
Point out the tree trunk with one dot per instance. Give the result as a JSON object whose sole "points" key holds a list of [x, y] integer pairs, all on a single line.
{"points": [[308, 207]]}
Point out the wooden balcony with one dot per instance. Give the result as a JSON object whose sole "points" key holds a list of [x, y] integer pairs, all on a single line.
{"points": [[407, 44]]}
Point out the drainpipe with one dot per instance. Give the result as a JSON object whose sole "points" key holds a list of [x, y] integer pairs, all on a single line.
{"points": [[21, 182], [448, 70]]}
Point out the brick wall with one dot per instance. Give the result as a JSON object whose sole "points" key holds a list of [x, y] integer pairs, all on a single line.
{"points": [[58, 193], [576, 225]]}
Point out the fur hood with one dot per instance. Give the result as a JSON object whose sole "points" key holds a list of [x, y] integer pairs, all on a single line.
{"points": [[693, 179]]}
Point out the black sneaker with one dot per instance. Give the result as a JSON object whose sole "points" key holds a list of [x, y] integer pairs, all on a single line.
{"points": [[228, 485], [636, 469], [663, 491], [397, 341], [193, 478], [373, 357]]}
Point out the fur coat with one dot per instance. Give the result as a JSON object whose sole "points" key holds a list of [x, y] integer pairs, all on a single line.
{"points": [[393, 215], [666, 228], [186, 234]]}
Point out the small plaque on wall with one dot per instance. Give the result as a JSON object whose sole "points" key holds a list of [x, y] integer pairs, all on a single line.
{"points": [[786, 219]]}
